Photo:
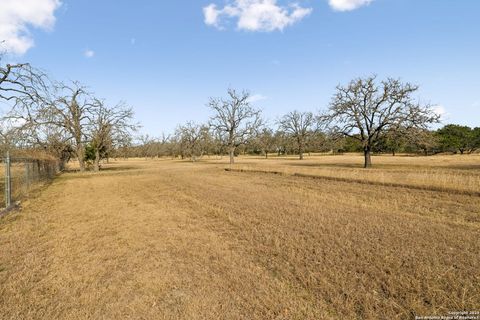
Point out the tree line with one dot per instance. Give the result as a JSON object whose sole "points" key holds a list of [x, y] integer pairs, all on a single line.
{"points": [[366, 115]]}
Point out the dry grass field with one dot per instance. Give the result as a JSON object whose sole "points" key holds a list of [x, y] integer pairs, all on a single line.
{"points": [[450, 173], [163, 239]]}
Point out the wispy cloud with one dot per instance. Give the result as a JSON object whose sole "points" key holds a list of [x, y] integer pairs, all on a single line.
{"points": [[18, 17], [348, 5], [256, 97], [441, 111], [89, 53], [255, 15]]}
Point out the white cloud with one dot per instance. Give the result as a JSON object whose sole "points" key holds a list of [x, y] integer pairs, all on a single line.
{"points": [[18, 16], [256, 97], [211, 14], [133, 41], [347, 5], [441, 111], [89, 53], [255, 15]]}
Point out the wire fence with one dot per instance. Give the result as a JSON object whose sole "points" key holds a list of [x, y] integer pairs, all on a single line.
{"points": [[23, 175]]}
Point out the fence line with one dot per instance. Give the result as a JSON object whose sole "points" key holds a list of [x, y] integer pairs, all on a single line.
{"points": [[23, 175], [8, 182]]}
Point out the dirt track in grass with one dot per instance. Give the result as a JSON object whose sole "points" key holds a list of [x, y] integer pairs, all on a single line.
{"points": [[170, 239]]}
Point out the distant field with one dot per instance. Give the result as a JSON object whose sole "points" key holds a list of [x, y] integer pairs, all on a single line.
{"points": [[169, 239]]}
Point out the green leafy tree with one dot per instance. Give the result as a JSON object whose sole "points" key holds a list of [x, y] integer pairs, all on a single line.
{"points": [[454, 137], [476, 138]]}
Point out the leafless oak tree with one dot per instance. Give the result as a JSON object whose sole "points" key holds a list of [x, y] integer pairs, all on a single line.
{"points": [[42, 111], [57, 117], [147, 146], [265, 140], [235, 120], [108, 125], [72, 110], [423, 139], [27, 91], [190, 137], [19, 80], [299, 125], [365, 110]]}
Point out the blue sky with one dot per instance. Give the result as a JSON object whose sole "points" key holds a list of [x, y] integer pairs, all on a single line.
{"points": [[166, 58]]}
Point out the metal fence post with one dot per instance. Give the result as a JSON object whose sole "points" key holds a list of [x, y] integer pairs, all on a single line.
{"points": [[27, 176], [8, 182]]}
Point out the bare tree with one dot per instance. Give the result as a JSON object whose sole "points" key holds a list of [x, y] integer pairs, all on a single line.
{"points": [[56, 117], [27, 91], [265, 139], [147, 146], [20, 80], [108, 125], [72, 110], [123, 148], [424, 140], [299, 125], [163, 145], [365, 110], [191, 137], [318, 141], [43, 112], [235, 120]]}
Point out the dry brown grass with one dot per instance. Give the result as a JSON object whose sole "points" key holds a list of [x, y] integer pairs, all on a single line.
{"points": [[450, 172], [169, 239]]}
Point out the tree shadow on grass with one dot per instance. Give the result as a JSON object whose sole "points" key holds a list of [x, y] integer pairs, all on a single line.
{"points": [[118, 168], [103, 169], [461, 166], [327, 165], [90, 174], [400, 166]]}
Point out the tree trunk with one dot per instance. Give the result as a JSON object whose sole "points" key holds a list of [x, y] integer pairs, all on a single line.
{"points": [[368, 159], [393, 153], [300, 151], [81, 157], [96, 164], [232, 155], [266, 154]]}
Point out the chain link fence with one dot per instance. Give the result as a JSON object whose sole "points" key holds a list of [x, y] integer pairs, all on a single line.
{"points": [[24, 175]]}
